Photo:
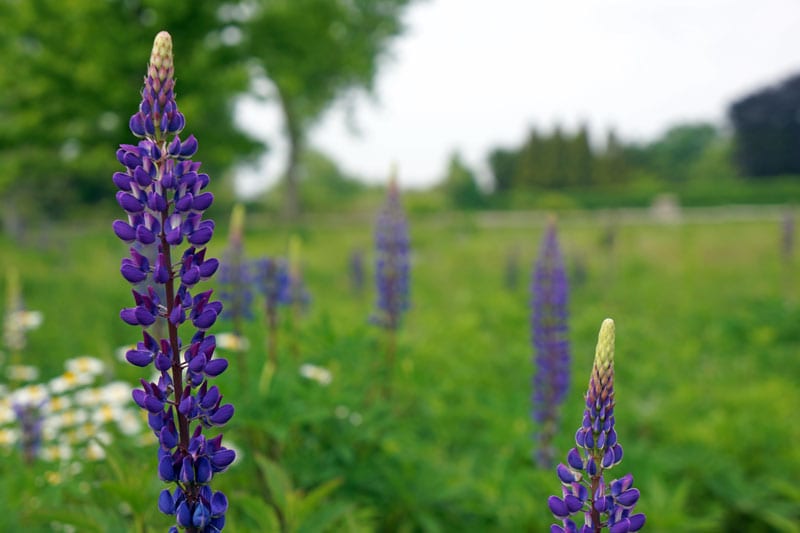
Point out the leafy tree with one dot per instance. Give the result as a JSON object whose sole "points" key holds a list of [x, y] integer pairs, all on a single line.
{"points": [[767, 130], [502, 162], [69, 76], [460, 185], [316, 51], [579, 159]]}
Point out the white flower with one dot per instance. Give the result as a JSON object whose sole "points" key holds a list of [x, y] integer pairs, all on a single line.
{"points": [[94, 451], [129, 423], [29, 320], [29, 395], [116, 393], [8, 436], [316, 373], [56, 452], [89, 397], [231, 341], [6, 413], [85, 365], [57, 403], [69, 380], [22, 373], [106, 414], [70, 418]]}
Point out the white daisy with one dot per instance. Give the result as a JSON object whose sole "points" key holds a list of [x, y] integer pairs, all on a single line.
{"points": [[316, 373]]}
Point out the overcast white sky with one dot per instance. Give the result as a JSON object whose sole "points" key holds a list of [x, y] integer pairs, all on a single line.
{"points": [[470, 75]]}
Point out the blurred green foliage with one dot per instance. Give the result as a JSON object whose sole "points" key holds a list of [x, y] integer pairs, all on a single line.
{"points": [[706, 381], [69, 85], [72, 70]]}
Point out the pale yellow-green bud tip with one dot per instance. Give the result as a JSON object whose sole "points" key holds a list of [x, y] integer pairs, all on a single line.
{"points": [[161, 56], [604, 355]]}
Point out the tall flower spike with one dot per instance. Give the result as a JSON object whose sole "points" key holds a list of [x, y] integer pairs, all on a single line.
{"points": [[584, 488], [162, 192], [392, 260], [550, 293]]}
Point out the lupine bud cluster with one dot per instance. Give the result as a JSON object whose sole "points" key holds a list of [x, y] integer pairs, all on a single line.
{"points": [[584, 489], [162, 192], [393, 264], [549, 330]]}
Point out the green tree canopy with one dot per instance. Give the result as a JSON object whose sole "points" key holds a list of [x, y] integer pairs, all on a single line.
{"points": [[70, 80]]}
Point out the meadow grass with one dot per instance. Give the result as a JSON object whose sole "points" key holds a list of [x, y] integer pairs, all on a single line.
{"points": [[707, 381]]}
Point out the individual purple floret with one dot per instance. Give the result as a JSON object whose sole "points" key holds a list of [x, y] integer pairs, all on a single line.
{"points": [[549, 330], [584, 490], [161, 191], [393, 265]]}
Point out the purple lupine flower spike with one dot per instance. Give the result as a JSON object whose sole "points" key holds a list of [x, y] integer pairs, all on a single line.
{"points": [[550, 292], [392, 263], [274, 284], [584, 488], [161, 191]]}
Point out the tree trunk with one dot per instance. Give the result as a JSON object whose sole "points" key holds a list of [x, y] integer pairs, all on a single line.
{"points": [[294, 132]]}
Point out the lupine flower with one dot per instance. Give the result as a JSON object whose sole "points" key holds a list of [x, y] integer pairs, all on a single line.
{"points": [[550, 292], [584, 487], [298, 294], [161, 191], [274, 285], [392, 263], [235, 277]]}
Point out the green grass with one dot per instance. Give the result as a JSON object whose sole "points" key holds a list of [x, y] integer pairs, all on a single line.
{"points": [[707, 382]]}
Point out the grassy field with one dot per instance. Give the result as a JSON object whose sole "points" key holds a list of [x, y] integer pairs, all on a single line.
{"points": [[707, 380]]}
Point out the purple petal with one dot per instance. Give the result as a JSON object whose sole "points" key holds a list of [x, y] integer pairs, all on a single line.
{"points": [[637, 521], [165, 503], [558, 507], [202, 201], [189, 147], [222, 415], [140, 358], [219, 503], [165, 470], [124, 231], [132, 273], [215, 367]]}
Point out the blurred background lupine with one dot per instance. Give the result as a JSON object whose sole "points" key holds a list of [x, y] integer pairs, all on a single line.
{"points": [[17, 320], [235, 277], [355, 270], [235, 282], [161, 192], [273, 283], [392, 270], [585, 490], [550, 336]]}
